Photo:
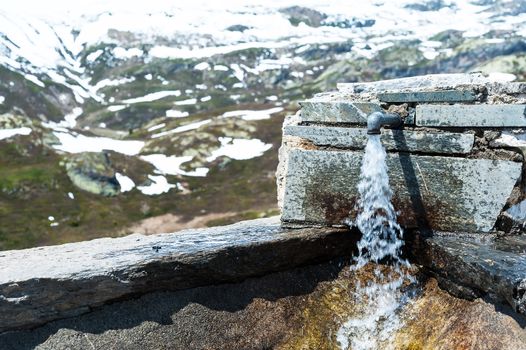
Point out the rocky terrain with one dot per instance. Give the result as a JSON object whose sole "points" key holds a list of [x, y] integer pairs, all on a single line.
{"points": [[152, 117]]}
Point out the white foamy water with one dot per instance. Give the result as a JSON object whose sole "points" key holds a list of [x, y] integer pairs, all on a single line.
{"points": [[382, 297]]}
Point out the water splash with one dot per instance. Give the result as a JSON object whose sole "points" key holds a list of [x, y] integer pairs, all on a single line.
{"points": [[381, 299]]}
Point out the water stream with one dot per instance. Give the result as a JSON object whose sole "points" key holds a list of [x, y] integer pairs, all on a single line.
{"points": [[382, 296]]}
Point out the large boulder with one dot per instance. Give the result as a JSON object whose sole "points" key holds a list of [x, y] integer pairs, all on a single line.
{"points": [[92, 172]]}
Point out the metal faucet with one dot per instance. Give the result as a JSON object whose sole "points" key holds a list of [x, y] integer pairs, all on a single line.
{"points": [[376, 120]]}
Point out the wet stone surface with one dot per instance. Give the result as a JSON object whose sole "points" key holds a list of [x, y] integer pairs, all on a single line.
{"points": [[475, 266], [300, 308]]}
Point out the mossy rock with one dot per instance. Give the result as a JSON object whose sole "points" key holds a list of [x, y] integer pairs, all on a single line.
{"points": [[514, 64], [92, 172]]}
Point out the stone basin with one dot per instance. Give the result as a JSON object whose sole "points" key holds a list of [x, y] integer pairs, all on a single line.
{"points": [[300, 308], [218, 288]]}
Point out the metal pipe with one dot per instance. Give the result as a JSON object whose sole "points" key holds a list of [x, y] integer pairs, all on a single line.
{"points": [[378, 119]]}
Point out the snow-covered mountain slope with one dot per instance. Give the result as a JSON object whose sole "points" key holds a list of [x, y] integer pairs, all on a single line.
{"points": [[177, 106], [48, 41]]}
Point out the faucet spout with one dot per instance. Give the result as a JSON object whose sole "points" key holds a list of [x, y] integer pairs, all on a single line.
{"points": [[376, 120]]}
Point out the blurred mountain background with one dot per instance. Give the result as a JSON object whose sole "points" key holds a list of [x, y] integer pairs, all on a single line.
{"points": [[126, 116]]}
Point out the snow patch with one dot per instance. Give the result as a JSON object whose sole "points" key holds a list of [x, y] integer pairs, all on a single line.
{"points": [[77, 143], [173, 113], [116, 108], [32, 78], [70, 120], [92, 57], [239, 149], [7, 133], [171, 165], [518, 211], [190, 101], [156, 127], [187, 127], [202, 66], [158, 186], [511, 139], [125, 182], [112, 82], [154, 96], [122, 53], [220, 67], [253, 115]]}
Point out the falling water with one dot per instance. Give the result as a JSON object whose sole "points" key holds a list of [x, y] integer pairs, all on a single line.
{"points": [[381, 298]]}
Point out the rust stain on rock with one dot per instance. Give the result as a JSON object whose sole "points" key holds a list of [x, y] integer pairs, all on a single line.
{"points": [[445, 193]]}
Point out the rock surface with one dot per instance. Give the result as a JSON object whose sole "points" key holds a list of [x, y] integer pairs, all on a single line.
{"points": [[337, 111], [444, 193], [417, 83], [301, 308], [428, 96], [42, 284], [399, 140], [92, 172], [475, 267], [502, 115], [437, 321]]}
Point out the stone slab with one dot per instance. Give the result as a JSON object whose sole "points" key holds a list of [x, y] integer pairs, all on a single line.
{"points": [[418, 83], [393, 140], [501, 115], [42, 284], [509, 88], [337, 111], [428, 96], [442, 193], [494, 267]]}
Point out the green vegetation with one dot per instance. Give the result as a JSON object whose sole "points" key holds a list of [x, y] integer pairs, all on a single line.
{"points": [[33, 177]]}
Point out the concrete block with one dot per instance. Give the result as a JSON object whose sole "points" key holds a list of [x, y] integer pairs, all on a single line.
{"points": [[443, 193], [483, 115]]}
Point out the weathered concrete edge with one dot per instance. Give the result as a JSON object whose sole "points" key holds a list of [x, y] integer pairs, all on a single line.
{"points": [[34, 301]]}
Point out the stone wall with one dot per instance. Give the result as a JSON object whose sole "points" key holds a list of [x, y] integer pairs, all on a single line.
{"points": [[455, 165]]}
